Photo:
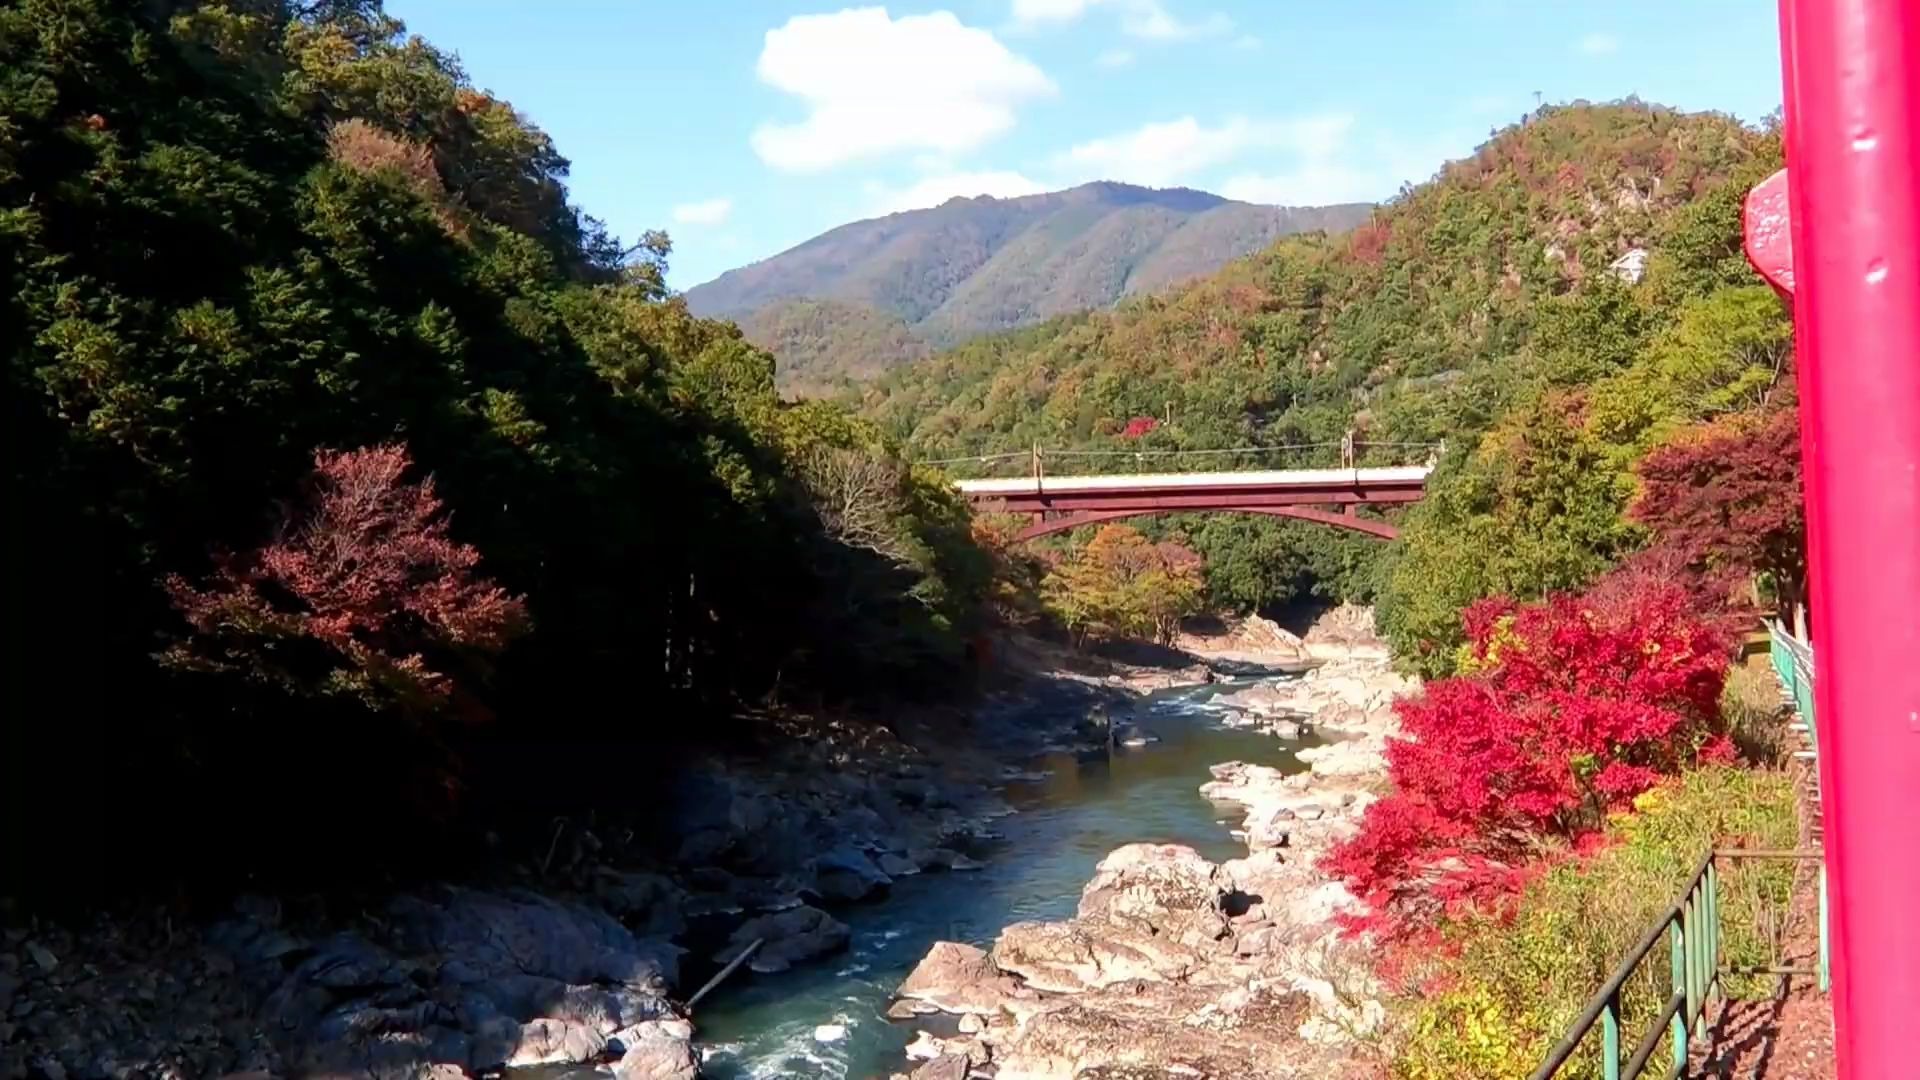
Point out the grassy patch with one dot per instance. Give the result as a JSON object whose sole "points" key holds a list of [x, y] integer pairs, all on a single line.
{"points": [[1511, 986]]}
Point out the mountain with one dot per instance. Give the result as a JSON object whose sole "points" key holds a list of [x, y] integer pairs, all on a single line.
{"points": [[1550, 307], [972, 266]]}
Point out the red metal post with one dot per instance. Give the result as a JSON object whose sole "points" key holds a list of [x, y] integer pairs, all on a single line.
{"points": [[1852, 70]]}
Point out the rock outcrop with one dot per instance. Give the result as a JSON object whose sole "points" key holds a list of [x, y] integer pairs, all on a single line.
{"points": [[788, 937], [1151, 977], [1175, 966]]}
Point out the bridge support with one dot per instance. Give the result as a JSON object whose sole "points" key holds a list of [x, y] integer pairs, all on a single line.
{"points": [[1348, 518]]}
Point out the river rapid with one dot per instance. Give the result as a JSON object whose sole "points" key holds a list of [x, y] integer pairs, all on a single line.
{"points": [[828, 1019]]}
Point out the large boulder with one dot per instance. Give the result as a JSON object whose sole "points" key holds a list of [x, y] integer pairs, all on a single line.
{"points": [[459, 978], [662, 1050], [1052, 956], [649, 904], [958, 978], [1162, 1031], [846, 873], [1164, 890], [793, 936]]}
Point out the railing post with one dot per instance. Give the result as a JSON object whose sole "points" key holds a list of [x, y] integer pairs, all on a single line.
{"points": [[1713, 931], [1690, 920], [1677, 936], [1610, 1039], [1826, 971]]}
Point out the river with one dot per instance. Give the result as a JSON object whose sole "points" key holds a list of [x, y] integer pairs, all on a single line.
{"points": [[827, 1020]]}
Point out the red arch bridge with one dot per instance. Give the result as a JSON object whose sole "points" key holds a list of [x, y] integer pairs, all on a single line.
{"points": [[1328, 496]]}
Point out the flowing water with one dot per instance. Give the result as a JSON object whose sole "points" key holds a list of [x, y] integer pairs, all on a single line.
{"points": [[828, 1019]]}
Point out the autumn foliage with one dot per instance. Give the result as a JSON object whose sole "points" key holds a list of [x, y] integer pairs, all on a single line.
{"points": [[1123, 584], [1724, 500], [361, 591], [1569, 709]]}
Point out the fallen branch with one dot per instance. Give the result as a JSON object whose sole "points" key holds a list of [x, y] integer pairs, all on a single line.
{"points": [[724, 972]]}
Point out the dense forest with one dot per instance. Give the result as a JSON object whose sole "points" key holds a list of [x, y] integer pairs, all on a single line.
{"points": [[1551, 308], [349, 464]]}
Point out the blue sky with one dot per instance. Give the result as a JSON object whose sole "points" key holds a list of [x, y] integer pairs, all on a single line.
{"points": [[744, 127]]}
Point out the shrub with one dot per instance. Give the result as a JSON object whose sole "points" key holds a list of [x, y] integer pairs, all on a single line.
{"points": [[1572, 706], [1505, 989]]}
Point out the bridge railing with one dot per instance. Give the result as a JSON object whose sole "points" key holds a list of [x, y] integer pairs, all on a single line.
{"points": [[1044, 461]]}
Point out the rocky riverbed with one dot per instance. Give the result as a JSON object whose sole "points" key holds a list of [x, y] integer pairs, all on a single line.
{"points": [[1177, 966], [579, 953], [582, 952]]}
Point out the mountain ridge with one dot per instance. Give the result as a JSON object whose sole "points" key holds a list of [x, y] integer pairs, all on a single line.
{"points": [[980, 264]]}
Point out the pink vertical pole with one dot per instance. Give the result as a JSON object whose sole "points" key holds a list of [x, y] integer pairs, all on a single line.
{"points": [[1852, 71]]}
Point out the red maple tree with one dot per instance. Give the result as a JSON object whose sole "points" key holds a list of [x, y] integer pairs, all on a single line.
{"points": [[1724, 499], [360, 586], [1572, 706], [1139, 426]]}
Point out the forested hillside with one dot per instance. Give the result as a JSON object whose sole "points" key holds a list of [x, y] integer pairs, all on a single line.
{"points": [[821, 346], [349, 466], [1483, 308], [977, 265]]}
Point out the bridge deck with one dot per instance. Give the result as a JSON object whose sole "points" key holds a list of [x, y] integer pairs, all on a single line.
{"points": [[1270, 479]]}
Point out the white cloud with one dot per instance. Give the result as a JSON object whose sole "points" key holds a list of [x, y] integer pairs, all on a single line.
{"points": [[934, 190], [875, 85], [1147, 19], [1344, 169], [1246, 42], [1313, 183], [1166, 153], [1115, 58], [704, 212], [1598, 44], [1028, 12]]}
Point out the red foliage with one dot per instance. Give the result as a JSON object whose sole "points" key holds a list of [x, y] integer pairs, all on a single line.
{"points": [[363, 568], [1574, 706], [1139, 426], [1369, 243], [1724, 500]]}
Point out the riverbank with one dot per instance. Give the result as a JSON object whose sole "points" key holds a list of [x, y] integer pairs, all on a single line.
{"points": [[577, 953], [1176, 965]]}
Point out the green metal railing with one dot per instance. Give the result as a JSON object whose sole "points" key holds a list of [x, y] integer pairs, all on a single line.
{"points": [[1793, 663], [1691, 927]]}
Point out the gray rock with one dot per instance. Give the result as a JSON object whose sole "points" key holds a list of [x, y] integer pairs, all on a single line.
{"points": [[958, 978], [648, 903], [524, 932], [944, 1067], [794, 936], [659, 1053], [896, 865], [943, 859], [42, 956], [846, 873]]}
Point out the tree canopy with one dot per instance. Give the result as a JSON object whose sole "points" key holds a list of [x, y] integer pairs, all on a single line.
{"points": [[261, 255]]}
